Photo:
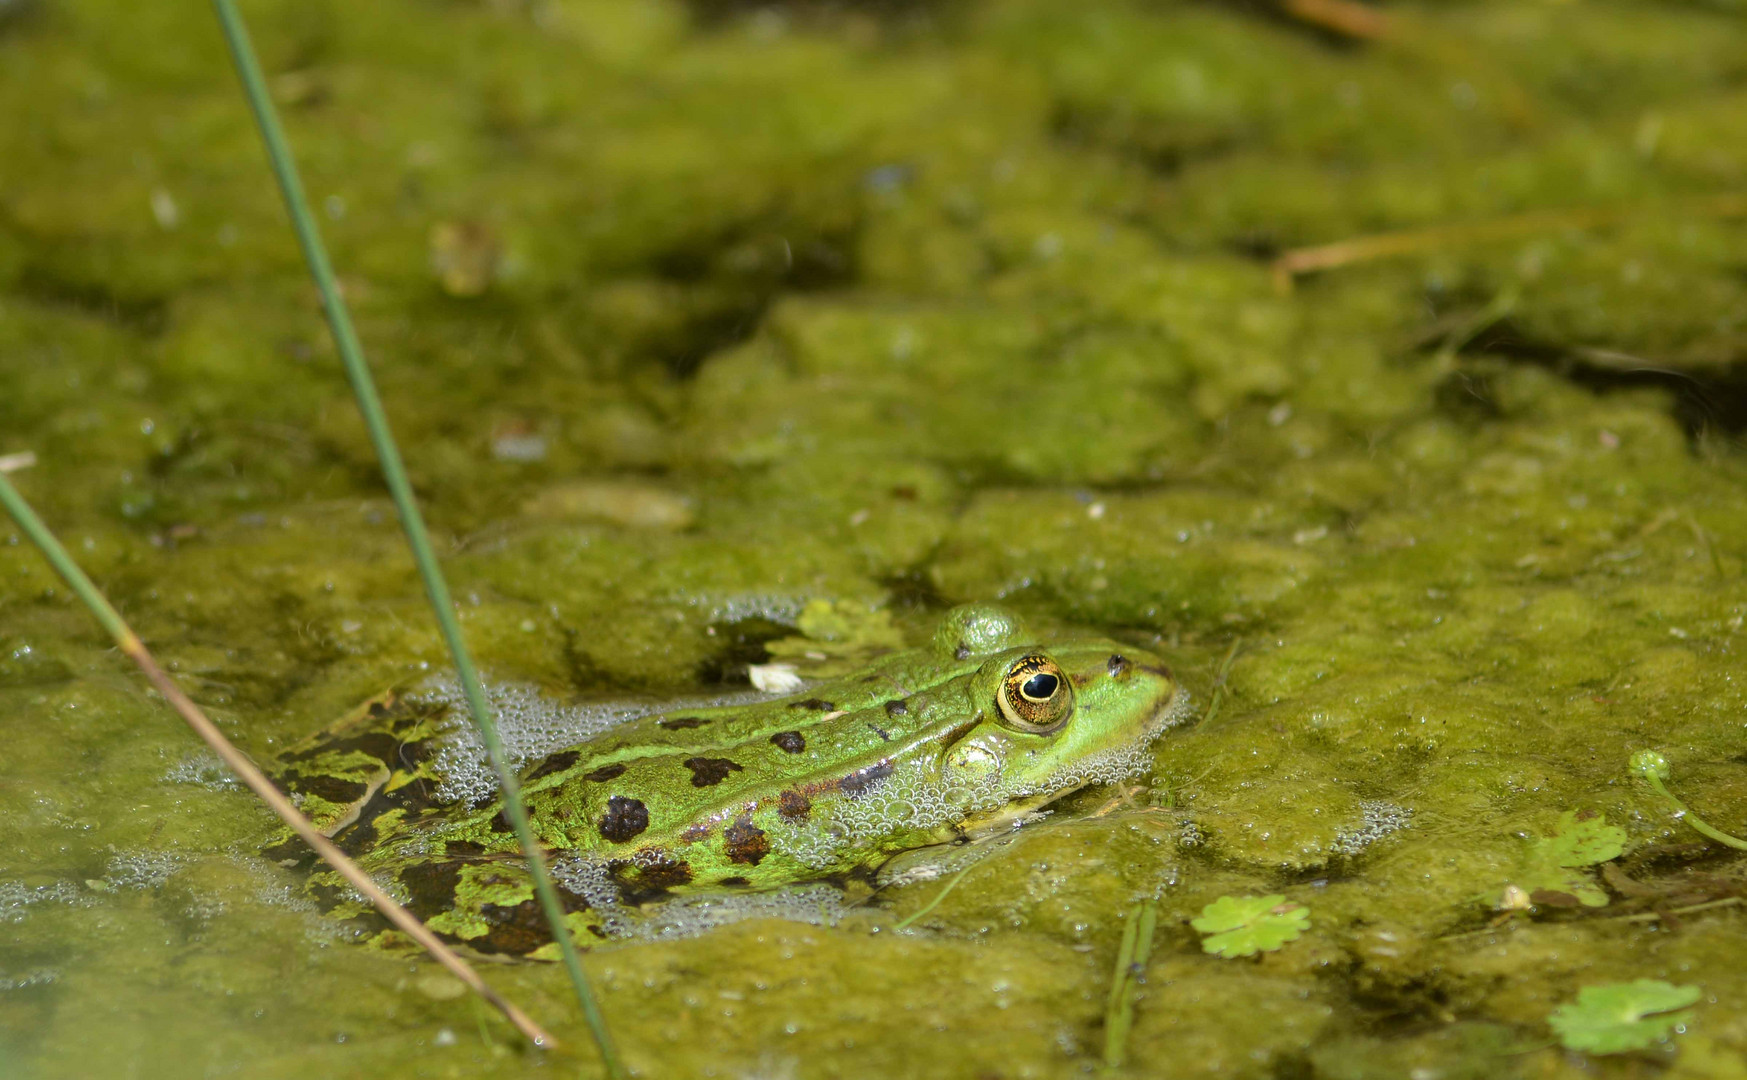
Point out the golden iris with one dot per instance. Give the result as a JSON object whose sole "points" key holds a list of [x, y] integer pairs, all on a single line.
{"points": [[1034, 695]]}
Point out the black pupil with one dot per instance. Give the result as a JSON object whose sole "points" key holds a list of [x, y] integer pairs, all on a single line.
{"points": [[1040, 687]]}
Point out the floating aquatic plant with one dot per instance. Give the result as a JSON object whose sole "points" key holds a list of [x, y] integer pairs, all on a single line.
{"points": [[1655, 770], [1247, 925], [1554, 871], [1616, 1017], [1583, 839]]}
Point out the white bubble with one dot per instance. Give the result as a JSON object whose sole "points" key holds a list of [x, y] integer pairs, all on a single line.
{"points": [[1377, 820], [531, 726]]}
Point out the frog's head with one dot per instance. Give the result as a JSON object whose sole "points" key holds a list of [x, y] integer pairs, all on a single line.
{"points": [[1052, 719]]}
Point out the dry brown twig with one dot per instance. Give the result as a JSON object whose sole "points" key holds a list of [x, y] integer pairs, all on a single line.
{"points": [[246, 770], [1290, 264]]}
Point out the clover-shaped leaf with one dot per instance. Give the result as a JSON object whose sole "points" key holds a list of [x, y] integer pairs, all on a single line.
{"points": [[1583, 841], [1616, 1017], [1551, 871], [1246, 925]]}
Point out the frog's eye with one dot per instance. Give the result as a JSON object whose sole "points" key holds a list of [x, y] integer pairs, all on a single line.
{"points": [[1034, 695]]}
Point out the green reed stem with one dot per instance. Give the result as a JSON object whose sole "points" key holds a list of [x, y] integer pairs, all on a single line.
{"points": [[364, 388], [1131, 961], [1654, 769], [39, 534]]}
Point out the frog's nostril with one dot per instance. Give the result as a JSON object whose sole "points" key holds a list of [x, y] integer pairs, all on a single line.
{"points": [[1117, 666]]}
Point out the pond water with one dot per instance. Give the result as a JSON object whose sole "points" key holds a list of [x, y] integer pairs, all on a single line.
{"points": [[687, 314]]}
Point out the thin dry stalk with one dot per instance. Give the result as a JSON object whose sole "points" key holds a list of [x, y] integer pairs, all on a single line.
{"points": [[1361, 249], [403, 920], [1359, 21], [129, 643]]}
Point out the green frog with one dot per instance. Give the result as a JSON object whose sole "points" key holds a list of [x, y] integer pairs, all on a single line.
{"points": [[951, 742]]}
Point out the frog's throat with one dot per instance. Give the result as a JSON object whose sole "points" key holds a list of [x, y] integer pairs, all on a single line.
{"points": [[1120, 757]]}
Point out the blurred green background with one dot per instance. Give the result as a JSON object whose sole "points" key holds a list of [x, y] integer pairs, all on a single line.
{"points": [[687, 313]]}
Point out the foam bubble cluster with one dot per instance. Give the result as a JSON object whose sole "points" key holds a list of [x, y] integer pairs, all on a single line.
{"points": [[16, 898], [35, 977], [689, 916], [1377, 819], [204, 768], [775, 607], [531, 726], [141, 869]]}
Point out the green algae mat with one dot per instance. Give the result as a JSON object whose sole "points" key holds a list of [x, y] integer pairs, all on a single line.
{"points": [[1381, 367]]}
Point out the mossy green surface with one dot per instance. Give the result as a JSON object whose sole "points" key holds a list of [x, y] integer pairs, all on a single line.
{"points": [[899, 306]]}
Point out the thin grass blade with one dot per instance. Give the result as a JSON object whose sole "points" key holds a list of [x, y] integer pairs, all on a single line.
{"points": [[394, 474], [129, 643]]}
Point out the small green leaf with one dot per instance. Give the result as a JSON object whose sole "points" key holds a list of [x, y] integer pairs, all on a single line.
{"points": [[1584, 841], [1616, 1017], [1246, 925], [1554, 865]]}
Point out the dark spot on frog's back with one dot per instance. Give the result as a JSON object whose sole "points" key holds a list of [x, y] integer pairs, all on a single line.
{"points": [[554, 763], [792, 742], [710, 771], [735, 880], [860, 780], [681, 723], [897, 708], [430, 886], [654, 871], [605, 773], [816, 704], [332, 788], [381, 745], [794, 807], [516, 929], [745, 842], [624, 819]]}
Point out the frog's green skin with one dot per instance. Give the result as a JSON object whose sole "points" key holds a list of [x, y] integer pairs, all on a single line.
{"points": [[913, 750]]}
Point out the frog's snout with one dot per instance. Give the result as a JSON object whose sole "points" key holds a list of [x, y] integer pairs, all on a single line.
{"points": [[1120, 668]]}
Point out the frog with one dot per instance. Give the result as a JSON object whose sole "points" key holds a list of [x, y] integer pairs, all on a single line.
{"points": [[952, 742]]}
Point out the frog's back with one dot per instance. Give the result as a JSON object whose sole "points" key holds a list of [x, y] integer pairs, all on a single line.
{"points": [[912, 750]]}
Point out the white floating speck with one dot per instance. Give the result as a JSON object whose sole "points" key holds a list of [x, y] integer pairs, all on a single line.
{"points": [[774, 678], [164, 209]]}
